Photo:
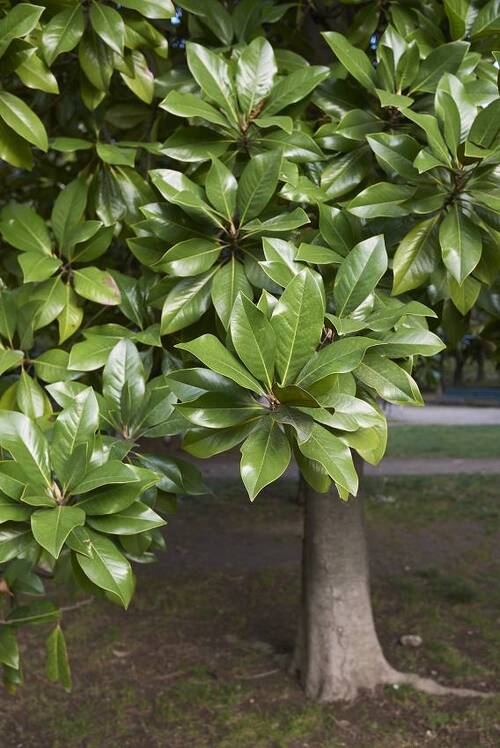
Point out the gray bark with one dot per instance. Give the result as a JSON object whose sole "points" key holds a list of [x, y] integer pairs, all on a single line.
{"points": [[338, 652]]}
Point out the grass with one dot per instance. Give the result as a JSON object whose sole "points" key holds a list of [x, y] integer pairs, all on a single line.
{"points": [[199, 661], [444, 441], [423, 500]]}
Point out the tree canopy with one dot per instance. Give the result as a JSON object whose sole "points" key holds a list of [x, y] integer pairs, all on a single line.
{"points": [[234, 222]]}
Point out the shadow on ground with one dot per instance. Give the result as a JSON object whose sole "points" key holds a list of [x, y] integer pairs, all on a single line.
{"points": [[199, 660]]}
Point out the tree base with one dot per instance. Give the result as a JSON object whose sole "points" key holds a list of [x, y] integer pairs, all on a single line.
{"points": [[348, 691], [338, 654]]}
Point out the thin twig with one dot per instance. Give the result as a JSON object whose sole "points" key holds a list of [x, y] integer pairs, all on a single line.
{"points": [[27, 619], [258, 675]]}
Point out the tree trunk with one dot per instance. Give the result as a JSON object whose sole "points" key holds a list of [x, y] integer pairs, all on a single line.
{"points": [[459, 368], [337, 652], [480, 366]]}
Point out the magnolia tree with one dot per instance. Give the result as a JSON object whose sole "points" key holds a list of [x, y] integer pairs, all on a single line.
{"points": [[226, 242]]}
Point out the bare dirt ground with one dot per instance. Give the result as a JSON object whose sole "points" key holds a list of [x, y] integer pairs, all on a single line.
{"points": [[199, 660]]}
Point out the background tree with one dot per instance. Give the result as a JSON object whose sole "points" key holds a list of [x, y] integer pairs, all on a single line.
{"points": [[231, 202]]}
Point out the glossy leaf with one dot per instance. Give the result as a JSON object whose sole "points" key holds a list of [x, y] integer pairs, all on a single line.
{"points": [[297, 321], [359, 274], [107, 568], [210, 351], [265, 455], [51, 527]]}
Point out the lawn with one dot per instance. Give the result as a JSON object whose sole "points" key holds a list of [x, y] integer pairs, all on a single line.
{"points": [[199, 660], [444, 441]]}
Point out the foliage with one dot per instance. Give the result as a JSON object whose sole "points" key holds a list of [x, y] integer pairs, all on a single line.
{"points": [[186, 184]]}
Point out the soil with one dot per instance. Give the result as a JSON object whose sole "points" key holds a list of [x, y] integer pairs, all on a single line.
{"points": [[200, 658]]}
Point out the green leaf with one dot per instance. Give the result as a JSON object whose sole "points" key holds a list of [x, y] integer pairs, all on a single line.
{"points": [[190, 257], [283, 222], [415, 257], [51, 527], [52, 365], [96, 285], [280, 263], [393, 100], [186, 302], [257, 184], [213, 15], [9, 359], [444, 59], [228, 282], [19, 21], [11, 511], [24, 229], [464, 296], [486, 126], [141, 83], [63, 32], [221, 188], [9, 651], [124, 383], [27, 445], [17, 115], [155, 9], [317, 255], [210, 351], [294, 87], [211, 72], [13, 542], [108, 568], [31, 398], [75, 425], [37, 267], [71, 316], [355, 61], [390, 381], [13, 149], [68, 210], [115, 155], [134, 519], [461, 244], [323, 447], [430, 126], [339, 357], [408, 341], [12, 479], [189, 105], [34, 73], [340, 230], [487, 20], [285, 123], [382, 200], [395, 152], [297, 321], [255, 71], [108, 24], [209, 442], [254, 339], [265, 455], [115, 472], [344, 173], [58, 670], [460, 16], [359, 273], [90, 354], [109, 500]]}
